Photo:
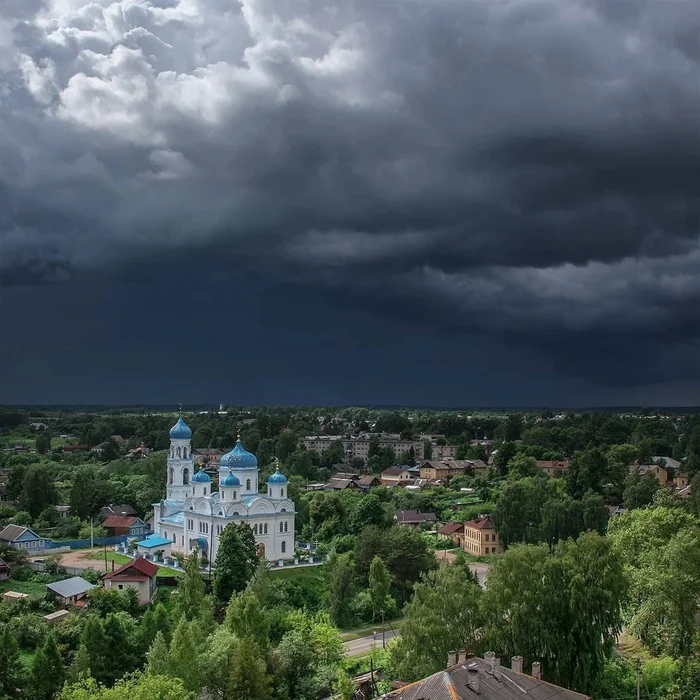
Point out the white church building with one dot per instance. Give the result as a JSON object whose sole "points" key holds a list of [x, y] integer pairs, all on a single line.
{"points": [[194, 515]]}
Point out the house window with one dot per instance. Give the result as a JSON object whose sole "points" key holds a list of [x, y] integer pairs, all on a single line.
{"points": [[120, 587], [284, 547]]}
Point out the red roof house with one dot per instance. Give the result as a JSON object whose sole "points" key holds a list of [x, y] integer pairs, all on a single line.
{"points": [[139, 574], [125, 525]]}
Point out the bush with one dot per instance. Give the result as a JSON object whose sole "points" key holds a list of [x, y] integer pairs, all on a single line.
{"points": [[29, 631]]}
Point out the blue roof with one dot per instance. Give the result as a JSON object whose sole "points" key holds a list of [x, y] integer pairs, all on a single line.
{"points": [[180, 431], [239, 458], [154, 541], [230, 480], [201, 476], [277, 477]]}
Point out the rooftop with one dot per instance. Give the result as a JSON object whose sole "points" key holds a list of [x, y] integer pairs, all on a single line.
{"points": [[154, 541], [70, 587]]}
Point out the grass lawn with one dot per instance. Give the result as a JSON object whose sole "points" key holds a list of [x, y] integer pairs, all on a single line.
{"points": [[36, 589], [120, 559]]}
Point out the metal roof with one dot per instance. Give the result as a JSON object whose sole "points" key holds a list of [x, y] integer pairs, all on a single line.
{"points": [[154, 541], [70, 587]]}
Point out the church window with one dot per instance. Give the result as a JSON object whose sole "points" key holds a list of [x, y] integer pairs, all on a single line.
{"points": [[184, 452], [235, 512], [186, 476], [255, 529], [285, 526], [205, 490], [172, 475], [178, 452], [190, 524], [223, 493], [234, 495], [284, 510], [284, 547], [281, 493], [183, 541], [265, 528], [281, 527], [165, 534], [247, 484]]}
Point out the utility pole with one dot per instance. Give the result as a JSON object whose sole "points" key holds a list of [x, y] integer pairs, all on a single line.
{"points": [[639, 678], [383, 638], [92, 536]]}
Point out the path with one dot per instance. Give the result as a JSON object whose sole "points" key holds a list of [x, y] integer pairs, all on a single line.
{"points": [[363, 645], [481, 569], [78, 559]]}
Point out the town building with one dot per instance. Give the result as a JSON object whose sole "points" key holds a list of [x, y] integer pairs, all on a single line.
{"points": [[358, 447], [641, 469], [193, 514], [454, 532], [139, 574], [437, 469], [470, 678], [396, 476], [21, 537], [480, 537], [70, 591]]}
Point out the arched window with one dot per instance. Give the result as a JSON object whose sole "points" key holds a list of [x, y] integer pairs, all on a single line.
{"points": [[285, 526], [234, 495], [247, 484], [185, 476], [265, 528], [281, 493], [284, 510], [281, 527], [184, 452], [235, 512], [284, 547], [223, 493], [178, 452], [172, 476]]}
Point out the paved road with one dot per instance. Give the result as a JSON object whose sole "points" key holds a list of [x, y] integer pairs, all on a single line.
{"points": [[364, 645]]}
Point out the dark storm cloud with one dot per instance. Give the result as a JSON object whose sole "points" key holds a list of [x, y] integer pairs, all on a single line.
{"points": [[521, 169]]}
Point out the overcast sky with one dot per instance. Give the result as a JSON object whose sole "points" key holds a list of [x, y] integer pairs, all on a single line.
{"points": [[436, 202]]}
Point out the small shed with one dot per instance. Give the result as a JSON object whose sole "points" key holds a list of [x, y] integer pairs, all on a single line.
{"points": [[54, 617], [10, 596], [70, 590], [4, 571]]}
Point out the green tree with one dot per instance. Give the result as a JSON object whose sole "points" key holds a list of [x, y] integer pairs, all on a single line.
{"points": [[159, 662], [344, 686], [11, 669], [379, 587], [47, 674], [132, 687], [184, 657], [640, 490], [248, 679], [38, 490], [340, 589], [367, 511], [190, 589], [121, 635], [95, 643], [506, 452], [584, 586], [521, 466], [443, 615], [236, 560], [246, 617], [43, 442], [587, 472]]}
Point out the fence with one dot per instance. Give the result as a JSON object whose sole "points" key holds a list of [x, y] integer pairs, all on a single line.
{"points": [[81, 544]]}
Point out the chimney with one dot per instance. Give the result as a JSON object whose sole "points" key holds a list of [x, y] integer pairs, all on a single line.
{"points": [[462, 656], [536, 670], [496, 668], [489, 656], [516, 664], [451, 658], [473, 677]]}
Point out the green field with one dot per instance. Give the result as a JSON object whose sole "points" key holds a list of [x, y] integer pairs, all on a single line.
{"points": [[36, 589]]}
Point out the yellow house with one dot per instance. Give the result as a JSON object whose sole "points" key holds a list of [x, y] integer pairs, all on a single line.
{"points": [[480, 537]]}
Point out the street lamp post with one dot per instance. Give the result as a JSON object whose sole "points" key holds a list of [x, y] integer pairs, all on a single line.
{"points": [[383, 638]]}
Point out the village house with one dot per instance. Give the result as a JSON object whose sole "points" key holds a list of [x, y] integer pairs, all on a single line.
{"points": [[125, 525], [480, 537], [21, 537], [4, 571], [117, 509], [207, 455], [3, 494], [468, 678], [139, 574], [71, 591], [659, 472], [336, 484], [368, 482], [139, 452], [554, 467], [396, 476], [414, 517]]}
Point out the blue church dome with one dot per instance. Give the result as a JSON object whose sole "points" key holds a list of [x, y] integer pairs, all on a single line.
{"points": [[180, 431], [230, 480], [239, 458], [277, 477], [201, 477]]}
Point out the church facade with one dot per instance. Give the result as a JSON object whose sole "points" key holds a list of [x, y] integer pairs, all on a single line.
{"points": [[193, 514]]}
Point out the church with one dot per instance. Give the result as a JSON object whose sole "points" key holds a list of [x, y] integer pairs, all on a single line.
{"points": [[194, 515]]}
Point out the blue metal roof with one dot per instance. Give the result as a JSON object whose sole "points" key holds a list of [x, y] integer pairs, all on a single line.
{"points": [[201, 477], [230, 480], [154, 541], [239, 458], [174, 518], [180, 431], [277, 477]]}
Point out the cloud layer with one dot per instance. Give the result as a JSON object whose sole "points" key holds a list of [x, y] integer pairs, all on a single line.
{"points": [[510, 167]]}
